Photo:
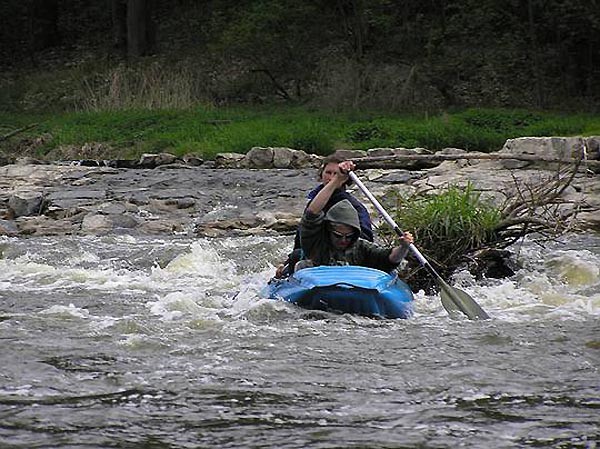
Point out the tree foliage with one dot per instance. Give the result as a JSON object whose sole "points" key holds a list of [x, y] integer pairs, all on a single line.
{"points": [[342, 53]]}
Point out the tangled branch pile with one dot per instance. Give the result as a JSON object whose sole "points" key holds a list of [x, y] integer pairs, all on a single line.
{"points": [[460, 227]]}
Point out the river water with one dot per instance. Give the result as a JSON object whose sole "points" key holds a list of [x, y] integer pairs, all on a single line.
{"points": [[130, 342]]}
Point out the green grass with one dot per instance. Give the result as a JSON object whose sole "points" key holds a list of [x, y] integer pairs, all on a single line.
{"points": [[207, 131], [447, 225]]}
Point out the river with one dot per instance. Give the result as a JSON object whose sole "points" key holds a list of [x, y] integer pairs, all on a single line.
{"points": [[131, 342]]}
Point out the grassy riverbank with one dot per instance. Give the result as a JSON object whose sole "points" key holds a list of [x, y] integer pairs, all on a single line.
{"points": [[208, 131]]}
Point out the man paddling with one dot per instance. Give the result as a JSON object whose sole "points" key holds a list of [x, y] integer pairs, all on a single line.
{"points": [[333, 237], [327, 171]]}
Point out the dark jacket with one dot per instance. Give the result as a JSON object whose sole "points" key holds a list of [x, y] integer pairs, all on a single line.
{"points": [[317, 246], [366, 227]]}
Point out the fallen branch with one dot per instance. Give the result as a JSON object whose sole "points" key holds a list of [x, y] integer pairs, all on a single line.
{"points": [[17, 131], [388, 161]]}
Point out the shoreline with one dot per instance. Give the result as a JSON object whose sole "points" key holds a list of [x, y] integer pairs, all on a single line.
{"points": [[262, 192]]}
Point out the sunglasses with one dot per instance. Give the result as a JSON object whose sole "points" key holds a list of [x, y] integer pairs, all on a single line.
{"points": [[340, 236]]}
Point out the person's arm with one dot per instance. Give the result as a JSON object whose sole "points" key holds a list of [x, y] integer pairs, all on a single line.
{"points": [[320, 201], [399, 252], [384, 259], [312, 240]]}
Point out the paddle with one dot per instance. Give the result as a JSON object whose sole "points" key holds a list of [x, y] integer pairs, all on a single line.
{"points": [[453, 299]]}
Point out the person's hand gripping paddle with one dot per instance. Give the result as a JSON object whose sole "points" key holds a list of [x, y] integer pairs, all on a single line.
{"points": [[453, 299]]}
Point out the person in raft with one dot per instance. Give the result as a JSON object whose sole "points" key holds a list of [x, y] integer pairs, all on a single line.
{"points": [[327, 171], [333, 237], [330, 167]]}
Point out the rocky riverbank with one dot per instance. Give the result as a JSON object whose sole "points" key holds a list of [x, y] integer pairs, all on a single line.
{"points": [[261, 192]]}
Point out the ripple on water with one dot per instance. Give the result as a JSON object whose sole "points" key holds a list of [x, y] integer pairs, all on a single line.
{"points": [[165, 342]]}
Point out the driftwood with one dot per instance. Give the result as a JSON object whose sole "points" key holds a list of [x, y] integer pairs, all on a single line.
{"points": [[17, 131], [398, 160]]}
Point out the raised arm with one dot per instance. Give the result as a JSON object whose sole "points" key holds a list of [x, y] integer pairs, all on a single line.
{"points": [[336, 182]]}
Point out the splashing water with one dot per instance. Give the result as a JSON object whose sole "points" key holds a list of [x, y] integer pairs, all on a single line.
{"points": [[148, 342]]}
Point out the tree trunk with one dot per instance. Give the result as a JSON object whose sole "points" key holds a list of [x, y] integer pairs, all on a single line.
{"points": [[352, 13], [534, 49], [119, 24], [140, 28], [45, 32]]}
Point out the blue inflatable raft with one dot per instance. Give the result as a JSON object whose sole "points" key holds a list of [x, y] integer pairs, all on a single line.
{"points": [[345, 289]]}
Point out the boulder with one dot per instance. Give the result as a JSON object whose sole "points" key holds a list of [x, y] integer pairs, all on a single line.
{"points": [[9, 228], [193, 160], [149, 160], [26, 203], [546, 147], [350, 154], [289, 158], [99, 223], [259, 157], [230, 160], [283, 157]]}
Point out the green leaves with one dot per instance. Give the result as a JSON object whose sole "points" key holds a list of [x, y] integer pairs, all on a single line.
{"points": [[447, 225]]}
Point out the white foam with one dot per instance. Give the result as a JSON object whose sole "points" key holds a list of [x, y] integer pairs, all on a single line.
{"points": [[69, 311], [179, 305], [201, 278]]}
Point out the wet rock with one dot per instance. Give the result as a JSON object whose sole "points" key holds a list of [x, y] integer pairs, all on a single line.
{"points": [[96, 223], [493, 263], [26, 203], [43, 225], [100, 223], [27, 160], [231, 199], [8, 228], [152, 160], [193, 160], [230, 160], [159, 226], [71, 198], [259, 157]]}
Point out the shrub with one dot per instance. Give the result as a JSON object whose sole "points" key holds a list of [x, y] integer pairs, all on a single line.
{"points": [[362, 132], [499, 120], [446, 226]]}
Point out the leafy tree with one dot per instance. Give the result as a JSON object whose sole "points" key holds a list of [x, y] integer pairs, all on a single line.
{"points": [[279, 39], [352, 53]]}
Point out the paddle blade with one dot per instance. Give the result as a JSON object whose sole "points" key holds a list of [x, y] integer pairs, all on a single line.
{"points": [[457, 301]]}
